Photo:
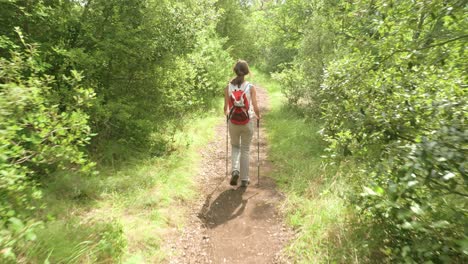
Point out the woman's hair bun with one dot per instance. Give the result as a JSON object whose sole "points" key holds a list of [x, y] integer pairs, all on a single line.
{"points": [[241, 68]]}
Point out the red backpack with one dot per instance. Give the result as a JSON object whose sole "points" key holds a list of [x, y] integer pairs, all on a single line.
{"points": [[239, 105]]}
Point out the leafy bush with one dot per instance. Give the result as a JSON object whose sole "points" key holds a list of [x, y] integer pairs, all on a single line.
{"points": [[147, 83], [391, 93], [145, 61], [36, 137], [150, 66]]}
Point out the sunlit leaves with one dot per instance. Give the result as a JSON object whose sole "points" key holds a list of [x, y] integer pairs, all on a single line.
{"points": [[36, 138], [392, 95]]}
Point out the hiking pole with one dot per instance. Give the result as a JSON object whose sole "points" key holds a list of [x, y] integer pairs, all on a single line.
{"points": [[258, 152], [227, 141]]}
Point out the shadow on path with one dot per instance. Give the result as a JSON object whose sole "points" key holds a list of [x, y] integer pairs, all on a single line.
{"points": [[228, 205]]}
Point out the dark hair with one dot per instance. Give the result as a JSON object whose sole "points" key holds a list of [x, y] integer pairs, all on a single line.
{"points": [[241, 68]]}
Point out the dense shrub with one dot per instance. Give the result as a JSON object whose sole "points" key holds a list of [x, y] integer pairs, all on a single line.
{"points": [[156, 74], [388, 79], [36, 137], [145, 66], [145, 61]]}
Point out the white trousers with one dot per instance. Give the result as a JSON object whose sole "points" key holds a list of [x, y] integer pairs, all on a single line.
{"points": [[241, 137]]}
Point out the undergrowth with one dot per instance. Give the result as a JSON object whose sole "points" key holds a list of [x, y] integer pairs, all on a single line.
{"points": [[120, 214], [315, 206]]}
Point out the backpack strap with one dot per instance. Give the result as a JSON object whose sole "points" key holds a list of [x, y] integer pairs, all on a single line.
{"points": [[247, 87]]}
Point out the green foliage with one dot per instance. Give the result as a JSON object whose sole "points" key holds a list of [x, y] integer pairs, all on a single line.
{"points": [[268, 34], [113, 78], [108, 79], [72, 241], [157, 58], [260, 32], [388, 80], [314, 190], [36, 137], [159, 67], [232, 25]]}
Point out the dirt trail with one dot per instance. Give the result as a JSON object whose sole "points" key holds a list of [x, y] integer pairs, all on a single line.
{"points": [[233, 224]]}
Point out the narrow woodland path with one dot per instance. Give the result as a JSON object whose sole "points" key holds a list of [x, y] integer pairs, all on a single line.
{"points": [[232, 224]]}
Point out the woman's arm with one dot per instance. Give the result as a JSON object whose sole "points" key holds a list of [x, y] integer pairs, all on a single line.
{"points": [[253, 94]]}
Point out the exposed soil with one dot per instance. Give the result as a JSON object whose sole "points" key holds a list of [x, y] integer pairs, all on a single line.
{"points": [[233, 224]]}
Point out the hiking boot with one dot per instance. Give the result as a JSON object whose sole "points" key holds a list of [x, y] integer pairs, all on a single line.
{"points": [[234, 177], [245, 183]]}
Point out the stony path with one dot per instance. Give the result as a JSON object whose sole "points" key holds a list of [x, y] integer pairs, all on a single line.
{"points": [[232, 224]]}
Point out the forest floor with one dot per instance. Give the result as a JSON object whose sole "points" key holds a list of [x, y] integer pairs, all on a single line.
{"points": [[232, 224]]}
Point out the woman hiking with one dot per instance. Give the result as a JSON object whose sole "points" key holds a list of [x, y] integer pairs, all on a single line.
{"points": [[240, 105]]}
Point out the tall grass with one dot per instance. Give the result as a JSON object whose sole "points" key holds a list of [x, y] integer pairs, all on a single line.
{"points": [[315, 203], [121, 214]]}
